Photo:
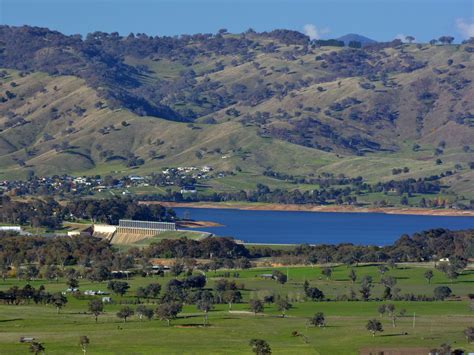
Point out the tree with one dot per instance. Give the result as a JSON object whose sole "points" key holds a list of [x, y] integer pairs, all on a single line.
{"points": [[153, 290], [433, 42], [84, 343], [168, 311], [391, 263], [404, 201], [73, 283], [374, 326], [366, 287], [409, 39], [177, 268], [140, 293], [96, 307], [382, 269], [51, 273], [36, 348], [260, 347], [118, 287], [256, 306], [32, 272], [452, 273], [391, 312], [315, 294], [99, 274], [469, 333], [195, 281], [279, 276], [352, 276], [305, 286], [442, 292], [428, 275], [58, 300], [125, 312], [446, 39], [354, 44], [318, 320], [459, 264], [283, 305], [389, 282], [204, 303], [231, 296], [327, 271], [174, 291], [382, 309], [143, 311]]}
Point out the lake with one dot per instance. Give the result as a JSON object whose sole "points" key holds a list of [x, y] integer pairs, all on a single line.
{"points": [[283, 227]]}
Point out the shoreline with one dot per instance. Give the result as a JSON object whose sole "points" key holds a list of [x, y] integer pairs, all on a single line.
{"points": [[198, 224], [316, 208]]}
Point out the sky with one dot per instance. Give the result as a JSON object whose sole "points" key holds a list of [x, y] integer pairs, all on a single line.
{"points": [[381, 20]]}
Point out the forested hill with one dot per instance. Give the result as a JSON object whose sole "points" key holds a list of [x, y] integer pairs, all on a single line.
{"points": [[249, 101]]}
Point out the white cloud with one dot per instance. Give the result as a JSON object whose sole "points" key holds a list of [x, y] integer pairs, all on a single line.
{"points": [[465, 27], [313, 32]]}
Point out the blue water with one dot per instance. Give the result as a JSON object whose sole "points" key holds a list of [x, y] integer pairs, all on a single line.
{"points": [[315, 228]]}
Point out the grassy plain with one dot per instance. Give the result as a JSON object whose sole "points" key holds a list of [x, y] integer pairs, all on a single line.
{"points": [[229, 333]]}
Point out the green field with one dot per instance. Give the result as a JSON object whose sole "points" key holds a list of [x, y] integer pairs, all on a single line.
{"points": [[436, 322]]}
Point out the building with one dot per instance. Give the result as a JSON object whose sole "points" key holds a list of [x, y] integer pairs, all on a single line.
{"points": [[14, 229], [188, 189], [11, 229]]}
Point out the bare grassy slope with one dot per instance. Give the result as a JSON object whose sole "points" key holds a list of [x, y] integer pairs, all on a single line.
{"points": [[93, 139], [249, 101]]}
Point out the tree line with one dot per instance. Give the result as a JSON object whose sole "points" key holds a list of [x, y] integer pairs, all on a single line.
{"points": [[331, 190], [50, 214], [98, 258]]}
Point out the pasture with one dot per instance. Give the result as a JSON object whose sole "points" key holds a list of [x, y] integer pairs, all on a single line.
{"points": [[419, 324]]}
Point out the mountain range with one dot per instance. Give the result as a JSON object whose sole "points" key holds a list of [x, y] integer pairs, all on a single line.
{"points": [[108, 104], [353, 37]]}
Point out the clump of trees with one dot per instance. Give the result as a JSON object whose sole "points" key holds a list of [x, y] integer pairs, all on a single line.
{"points": [[48, 213], [332, 190], [37, 252], [111, 210]]}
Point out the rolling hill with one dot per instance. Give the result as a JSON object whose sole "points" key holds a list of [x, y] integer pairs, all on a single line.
{"points": [[107, 104]]}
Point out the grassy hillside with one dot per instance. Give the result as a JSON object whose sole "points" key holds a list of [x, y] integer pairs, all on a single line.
{"points": [[240, 103], [82, 147]]}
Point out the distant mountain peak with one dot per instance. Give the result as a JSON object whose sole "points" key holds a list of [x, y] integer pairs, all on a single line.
{"points": [[355, 37]]}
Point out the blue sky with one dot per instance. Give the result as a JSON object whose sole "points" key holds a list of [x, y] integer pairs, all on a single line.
{"points": [[378, 19]]}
